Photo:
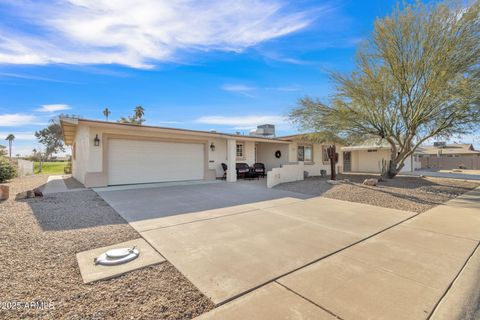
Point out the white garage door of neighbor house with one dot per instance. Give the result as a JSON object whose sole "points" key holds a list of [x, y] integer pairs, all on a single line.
{"points": [[140, 161]]}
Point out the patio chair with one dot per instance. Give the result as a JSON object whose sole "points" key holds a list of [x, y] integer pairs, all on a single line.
{"points": [[242, 169], [259, 168], [224, 167]]}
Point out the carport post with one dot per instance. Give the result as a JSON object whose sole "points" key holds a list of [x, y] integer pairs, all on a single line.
{"points": [[231, 160]]}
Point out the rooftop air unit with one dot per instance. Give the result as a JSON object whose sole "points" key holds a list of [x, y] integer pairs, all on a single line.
{"points": [[264, 130]]}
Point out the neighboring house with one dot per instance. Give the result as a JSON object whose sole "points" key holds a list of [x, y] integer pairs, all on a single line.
{"points": [[449, 156], [368, 157], [110, 153]]}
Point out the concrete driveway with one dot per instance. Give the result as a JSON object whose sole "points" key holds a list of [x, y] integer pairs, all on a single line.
{"points": [[231, 238]]}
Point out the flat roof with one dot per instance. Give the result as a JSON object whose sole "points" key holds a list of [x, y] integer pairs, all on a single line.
{"points": [[69, 126]]}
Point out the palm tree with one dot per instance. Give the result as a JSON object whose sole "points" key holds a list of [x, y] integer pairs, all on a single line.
{"points": [[139, 112], [136, 118], [106, 113], [10, 139]]}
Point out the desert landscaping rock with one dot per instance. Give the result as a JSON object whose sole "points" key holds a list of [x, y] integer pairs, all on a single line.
{"points": [[41, 237], [370, 182], [38, 192], [4, 192], [21, 195], [404, 193]]}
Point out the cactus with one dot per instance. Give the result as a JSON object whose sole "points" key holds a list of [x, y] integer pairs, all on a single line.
{"points": [[384, 168]]}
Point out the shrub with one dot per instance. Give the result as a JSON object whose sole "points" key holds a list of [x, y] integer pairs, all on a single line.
{"points": [[7, 170]]}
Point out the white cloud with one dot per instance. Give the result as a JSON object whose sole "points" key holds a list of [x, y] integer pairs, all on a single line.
{"points": [[237, 88], [250, 121], [139, 33], [17, 119], [53, 107]]}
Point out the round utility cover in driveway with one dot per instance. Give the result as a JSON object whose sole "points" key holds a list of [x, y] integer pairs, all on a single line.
{"points": [[118, 256]]}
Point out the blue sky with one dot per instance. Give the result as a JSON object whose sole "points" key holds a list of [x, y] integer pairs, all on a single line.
{"points": [[225, 65]]}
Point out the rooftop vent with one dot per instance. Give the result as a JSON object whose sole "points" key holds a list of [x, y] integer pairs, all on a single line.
{"points": [[440, 144], [264, 130]]}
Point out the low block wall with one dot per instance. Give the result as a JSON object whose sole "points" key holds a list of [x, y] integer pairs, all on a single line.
{"points": [[286, 173], [24, 167]]}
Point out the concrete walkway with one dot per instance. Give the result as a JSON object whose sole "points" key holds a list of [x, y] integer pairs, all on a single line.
{"points": [[448, 175], [55, 184], [401, 273]]}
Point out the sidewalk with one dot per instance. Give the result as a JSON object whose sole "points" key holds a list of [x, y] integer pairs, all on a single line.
{"points": [[55, 184], [411, 271], [448, 175]]}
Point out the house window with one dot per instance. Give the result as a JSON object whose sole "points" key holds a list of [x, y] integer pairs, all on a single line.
{"points": [[372, 150], [325, 158], [305, 153], [240, 150]]}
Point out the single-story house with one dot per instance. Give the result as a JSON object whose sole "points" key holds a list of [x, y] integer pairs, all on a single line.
{"points": [[110, 153], [449, 156], [368, 157]]}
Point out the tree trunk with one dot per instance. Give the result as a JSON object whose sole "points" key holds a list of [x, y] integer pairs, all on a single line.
{"points": [[392, 170]]}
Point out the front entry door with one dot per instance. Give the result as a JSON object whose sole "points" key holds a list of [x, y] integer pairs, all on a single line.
{"points": [[347, 161]]}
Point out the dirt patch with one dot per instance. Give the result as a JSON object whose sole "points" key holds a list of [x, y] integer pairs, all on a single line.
{"points": [[404, 193], [41, 236]]}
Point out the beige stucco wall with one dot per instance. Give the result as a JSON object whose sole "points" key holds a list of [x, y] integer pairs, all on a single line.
{"points": [[371, 162], [287, 173], [313, 168], [266, 154], [217, 157], [82, 149], [364, 161], [89, 158]]}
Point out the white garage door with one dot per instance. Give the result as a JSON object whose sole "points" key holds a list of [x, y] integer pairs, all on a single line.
{"points": [[139, 161]]}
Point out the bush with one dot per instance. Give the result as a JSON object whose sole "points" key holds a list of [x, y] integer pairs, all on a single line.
{"points": [[7, 170]]}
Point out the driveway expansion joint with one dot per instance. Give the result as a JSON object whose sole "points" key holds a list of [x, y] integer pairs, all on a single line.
{"points": [[312, 302], [432, 313]]}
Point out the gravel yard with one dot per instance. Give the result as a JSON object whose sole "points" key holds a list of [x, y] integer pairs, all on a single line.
{"points": [[39, 239], [404, 193]]}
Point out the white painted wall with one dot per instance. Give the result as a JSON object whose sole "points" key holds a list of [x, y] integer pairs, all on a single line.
{"points": [[217, 157], [24, 167], [313, 168], [82, 151], [287, 173], [266, 154], [371, 162]]}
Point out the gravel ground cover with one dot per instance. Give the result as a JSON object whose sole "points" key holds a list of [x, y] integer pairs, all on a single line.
{"points": [[38, 241], [72, 183], [405, 193]]}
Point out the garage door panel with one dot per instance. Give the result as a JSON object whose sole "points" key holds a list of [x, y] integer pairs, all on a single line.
{"points": [[139, 161]]}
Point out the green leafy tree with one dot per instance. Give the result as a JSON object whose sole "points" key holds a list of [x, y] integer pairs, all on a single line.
{"points": [[7, 170], [106, 113], [416, 78], [52, 138], [137, 117], [10, 139]]}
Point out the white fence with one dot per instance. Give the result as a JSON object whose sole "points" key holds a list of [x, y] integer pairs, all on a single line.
{"points": [[24, 167], [286, 173]]}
